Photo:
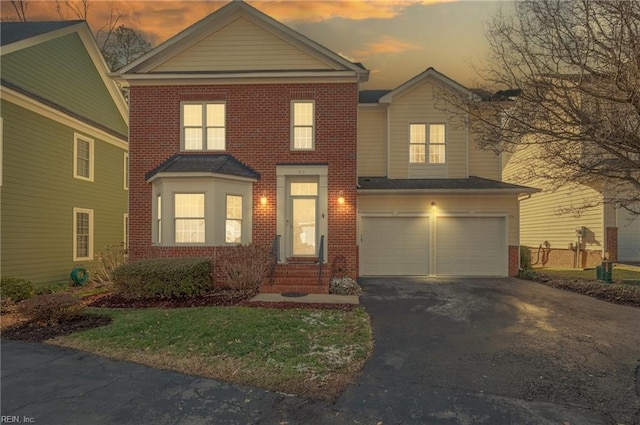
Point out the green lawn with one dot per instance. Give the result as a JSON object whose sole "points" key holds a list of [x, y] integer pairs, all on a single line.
{"points": [[315, 353], [620, 272]]}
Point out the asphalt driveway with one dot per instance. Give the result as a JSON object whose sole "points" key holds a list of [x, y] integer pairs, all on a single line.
{"points": [[465, 351]]}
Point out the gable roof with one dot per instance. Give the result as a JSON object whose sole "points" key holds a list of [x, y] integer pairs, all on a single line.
{"points": [[23, 35], [471, 184], [143, 67], [216, 164], [428, 74], [371, 96], [11, 32]]}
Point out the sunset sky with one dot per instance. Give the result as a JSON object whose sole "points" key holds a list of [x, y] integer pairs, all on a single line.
{"points": [[395, 40]]}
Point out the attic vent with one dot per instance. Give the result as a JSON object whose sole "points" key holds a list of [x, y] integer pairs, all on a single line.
{"points": [[303, 94]]}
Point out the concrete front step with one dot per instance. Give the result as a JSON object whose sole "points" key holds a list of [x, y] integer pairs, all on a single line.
{"points": [[277, 288]]}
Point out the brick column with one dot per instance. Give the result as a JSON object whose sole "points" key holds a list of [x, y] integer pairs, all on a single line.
{"points": [[612, 244], [514, 260]]}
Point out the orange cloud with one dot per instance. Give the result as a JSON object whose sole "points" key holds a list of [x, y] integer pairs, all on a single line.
{"points": [[386, 45], [159, 20]]}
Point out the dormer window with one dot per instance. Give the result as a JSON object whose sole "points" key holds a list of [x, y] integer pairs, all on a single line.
{"points": [[427, 143]]}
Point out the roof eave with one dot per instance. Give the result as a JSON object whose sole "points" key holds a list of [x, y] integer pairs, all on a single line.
{"points": [[509, 191], [199, 174]]}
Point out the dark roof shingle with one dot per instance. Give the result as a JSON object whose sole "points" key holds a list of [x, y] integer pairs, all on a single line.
{"points": [[371, 96], [204, 163], [10, 32], [471, 183]]}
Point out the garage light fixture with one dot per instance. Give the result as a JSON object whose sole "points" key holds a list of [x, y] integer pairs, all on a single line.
{"points": [[433, 205]]}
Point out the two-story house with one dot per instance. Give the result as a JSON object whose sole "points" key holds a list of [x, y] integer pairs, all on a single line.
{"points": [[430, 201], [63, 152], [243, 130]]}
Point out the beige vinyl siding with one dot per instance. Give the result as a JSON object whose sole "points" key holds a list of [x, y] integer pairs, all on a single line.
{"points": [[446, 204], [372, 149], [62, 72], [39, 194], [418, 105], [241, 46], [483, 163], [541, 220], [543, 217]]}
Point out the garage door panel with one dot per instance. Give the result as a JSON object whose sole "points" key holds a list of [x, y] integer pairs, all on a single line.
{"points": [[471, 246], [394, 246]]}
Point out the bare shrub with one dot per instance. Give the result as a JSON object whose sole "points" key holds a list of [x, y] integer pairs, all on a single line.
{"points": [[108, 260], [244, 267], [51, 308]]}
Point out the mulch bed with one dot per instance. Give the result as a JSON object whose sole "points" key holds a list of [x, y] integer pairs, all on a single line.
{"points": [[34, 332], [615, 293]]}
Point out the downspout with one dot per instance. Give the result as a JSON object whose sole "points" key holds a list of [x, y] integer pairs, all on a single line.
{"points": [[519, 253]]}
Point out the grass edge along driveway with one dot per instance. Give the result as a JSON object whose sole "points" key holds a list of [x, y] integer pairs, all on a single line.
{"points": [[312, 353]]}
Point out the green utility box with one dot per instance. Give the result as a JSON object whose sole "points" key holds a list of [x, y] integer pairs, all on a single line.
{"points": [[604, 272]]}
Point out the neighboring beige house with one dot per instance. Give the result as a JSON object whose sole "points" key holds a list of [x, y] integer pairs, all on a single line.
{"points": [[559, 232], [430, 202]]}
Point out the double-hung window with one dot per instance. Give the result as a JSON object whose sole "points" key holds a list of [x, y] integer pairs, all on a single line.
{"points": [[427, 143], [233, 222], [189, 217], [203, 126], [302, 123], [82, 158], [82, 234]]}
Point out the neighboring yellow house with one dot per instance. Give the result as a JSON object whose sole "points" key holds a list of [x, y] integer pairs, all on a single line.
{"points": [[430, 202], [559, 231]]}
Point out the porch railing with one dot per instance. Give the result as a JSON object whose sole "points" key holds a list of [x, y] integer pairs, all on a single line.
{"points": [[320, 259]]}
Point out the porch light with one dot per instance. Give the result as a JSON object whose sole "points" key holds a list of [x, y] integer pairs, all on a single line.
{"points": [[263, 200], [340, 198], [433, 205]]}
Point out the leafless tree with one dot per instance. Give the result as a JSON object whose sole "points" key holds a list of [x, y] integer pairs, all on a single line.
{"points": [[575, 69], [20, 7], [123, 46]]}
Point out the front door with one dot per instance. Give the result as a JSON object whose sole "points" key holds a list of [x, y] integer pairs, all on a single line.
{"points": [[302, 218]]}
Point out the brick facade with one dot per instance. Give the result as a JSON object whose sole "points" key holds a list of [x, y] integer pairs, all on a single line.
{"points": [[258, 121]]}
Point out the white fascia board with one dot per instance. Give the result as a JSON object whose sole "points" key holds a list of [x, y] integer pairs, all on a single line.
{"points": [[53, 114], [509, 192]]}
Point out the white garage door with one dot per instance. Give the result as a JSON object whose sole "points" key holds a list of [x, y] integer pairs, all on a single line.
{"points": [[628, 237], [394, 246], [471, 246]]}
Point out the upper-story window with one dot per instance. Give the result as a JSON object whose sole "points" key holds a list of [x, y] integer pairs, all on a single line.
{"points": [[302, 123], [82, 157], [427, 143], [203, 126]]}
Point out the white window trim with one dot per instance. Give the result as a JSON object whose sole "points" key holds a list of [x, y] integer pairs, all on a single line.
{"points": [[204, 125], [428, 143], [445, 144], [293, 126], [75, 234], [86, 139], [125, 177], [203, 218]]}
